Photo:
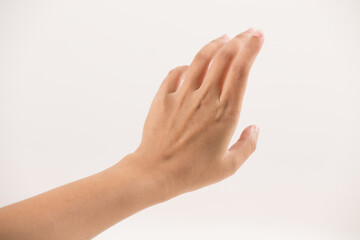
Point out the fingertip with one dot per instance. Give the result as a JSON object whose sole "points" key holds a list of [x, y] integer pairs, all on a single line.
{"points": [[225, 36], [257, 32], [254, 134], [255, 129]]}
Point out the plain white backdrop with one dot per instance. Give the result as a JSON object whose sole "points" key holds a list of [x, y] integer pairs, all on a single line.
{"points": [[77, 79]]}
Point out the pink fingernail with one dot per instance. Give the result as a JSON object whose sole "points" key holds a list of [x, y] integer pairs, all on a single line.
{"points": [[225, 36], [255, 31], [258, 32], [250, 30]]}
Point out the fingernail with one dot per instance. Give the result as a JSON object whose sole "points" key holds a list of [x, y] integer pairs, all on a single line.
{"points": [[258, 32], [225, 36], [250, 30], [255, 31], [256, 129]]}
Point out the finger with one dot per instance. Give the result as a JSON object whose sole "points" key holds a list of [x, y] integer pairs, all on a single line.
{"points": [[240, 151], [200, 64], [172, 81], [236, 80], [222, 60]]}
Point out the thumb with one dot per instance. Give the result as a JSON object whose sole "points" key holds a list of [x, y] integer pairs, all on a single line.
{"points": [[237, 154]]}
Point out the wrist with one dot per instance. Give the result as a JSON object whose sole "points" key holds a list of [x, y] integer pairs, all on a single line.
{"points": [[148, 180]]}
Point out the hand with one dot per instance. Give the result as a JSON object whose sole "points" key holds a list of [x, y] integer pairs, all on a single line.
{"points": [[183, 147], [194, 115]]}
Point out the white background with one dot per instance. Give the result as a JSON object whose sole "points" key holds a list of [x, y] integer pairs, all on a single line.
{"points": [[77, 79]]}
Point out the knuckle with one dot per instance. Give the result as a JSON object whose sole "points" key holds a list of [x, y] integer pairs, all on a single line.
{"points": [[240, 68], [177, 69], [231, 110], [226, 53], [232, 114]]}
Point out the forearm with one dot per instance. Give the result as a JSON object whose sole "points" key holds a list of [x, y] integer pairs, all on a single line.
{"points": [[84, 208]]}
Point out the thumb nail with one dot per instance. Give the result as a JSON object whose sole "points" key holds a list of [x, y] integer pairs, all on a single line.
{"points": [[256, 129]]}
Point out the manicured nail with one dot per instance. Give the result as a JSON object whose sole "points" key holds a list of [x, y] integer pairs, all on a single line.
{"points": [[256, 129], [255, 31], [225, 36]]}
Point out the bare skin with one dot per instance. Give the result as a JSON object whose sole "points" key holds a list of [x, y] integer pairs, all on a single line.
{"points": [[184, 147]]}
